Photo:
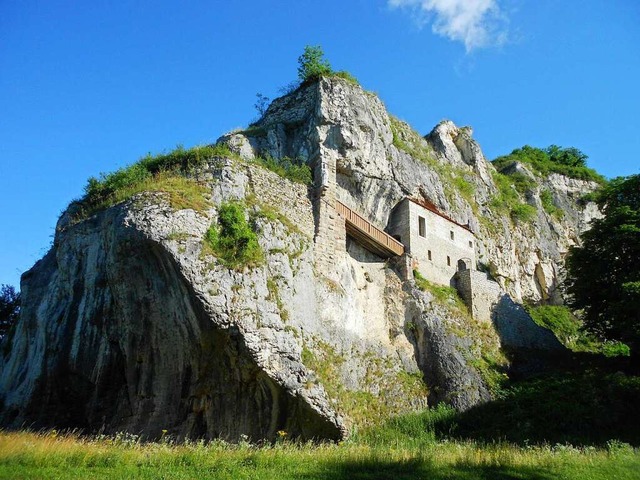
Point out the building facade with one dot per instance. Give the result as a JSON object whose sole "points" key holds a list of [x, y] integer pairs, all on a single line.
{"points": [[439, 246]]}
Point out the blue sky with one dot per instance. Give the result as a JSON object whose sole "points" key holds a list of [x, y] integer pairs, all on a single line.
{"points": [[87, 87]]}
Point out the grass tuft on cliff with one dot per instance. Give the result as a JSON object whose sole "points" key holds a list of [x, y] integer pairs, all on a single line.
{"points": [[508, 198], [568, 329], [232, 239], [172, 173], [291, 169], [446, 296]]}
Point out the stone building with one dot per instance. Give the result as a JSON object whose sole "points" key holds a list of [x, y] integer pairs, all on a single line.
{"points": [[444, 252], [438, 245]]}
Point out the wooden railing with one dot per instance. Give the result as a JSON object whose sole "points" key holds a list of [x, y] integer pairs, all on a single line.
{"points": [[369, 235]]}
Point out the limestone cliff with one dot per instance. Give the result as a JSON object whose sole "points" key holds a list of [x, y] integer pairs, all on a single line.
{"points": [[128, 323], [380, 160]]}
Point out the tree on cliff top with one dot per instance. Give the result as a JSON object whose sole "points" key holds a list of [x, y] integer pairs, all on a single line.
{"points": [[567, 161], [312, 64], [604, 273]]}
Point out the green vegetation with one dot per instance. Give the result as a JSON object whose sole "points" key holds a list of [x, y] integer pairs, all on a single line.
{"points": [[378, 395], [603, 274], [549, 206], [312, 65], [443, 295], [291, 169], [569, 330], [405, 448], [483, 352], [508, 199], [178, 236], [161, 173], [343, 74], [589, 405], [514, 185], [410, 141], [576, 422], [553, 159], [559, 319], [232, 240], [523, 212]]}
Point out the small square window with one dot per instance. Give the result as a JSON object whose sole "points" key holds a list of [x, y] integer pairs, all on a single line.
{"points": [[470, 244], [451, 235], [422, 227]]}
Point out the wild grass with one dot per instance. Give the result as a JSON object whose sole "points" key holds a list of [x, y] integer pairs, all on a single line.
{"points": [[404, 450], [546, 198], [508, 199], [182, 193], [443, 295], [523, 212], [232, 239], [171, 173], [568, 329], [588, 406], [578, 422], [291, 169]]}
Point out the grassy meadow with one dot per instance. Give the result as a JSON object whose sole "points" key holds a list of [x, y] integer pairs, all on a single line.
{"points": [[579, 420], [50, 455]]}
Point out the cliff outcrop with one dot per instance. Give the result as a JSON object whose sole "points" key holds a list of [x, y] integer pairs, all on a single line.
{"points": [[130, 323]]}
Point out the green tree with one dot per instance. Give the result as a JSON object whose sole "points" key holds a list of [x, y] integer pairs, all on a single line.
{"points": [[604, 273], [9, 308], [312, 64], [568, 161], [571, 156]]}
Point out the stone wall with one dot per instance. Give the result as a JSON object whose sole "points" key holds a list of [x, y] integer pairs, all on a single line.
{"points": [[292, 199], [478, 292], [435, 255], [330, 233]]}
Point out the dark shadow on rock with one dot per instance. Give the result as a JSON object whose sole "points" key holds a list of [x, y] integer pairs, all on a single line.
{"points": [[517, 329], [439, 354]]}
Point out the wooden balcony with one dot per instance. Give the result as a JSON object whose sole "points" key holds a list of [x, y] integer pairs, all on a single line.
{"points": [[368, 235]]}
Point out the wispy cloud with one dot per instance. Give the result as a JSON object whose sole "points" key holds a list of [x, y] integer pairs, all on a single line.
{"points": [[476, 23]]}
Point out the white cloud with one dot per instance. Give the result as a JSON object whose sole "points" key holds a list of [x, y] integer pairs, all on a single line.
{"points": [[476, 23]]}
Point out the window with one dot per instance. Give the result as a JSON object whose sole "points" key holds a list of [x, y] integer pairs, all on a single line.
{"points": [[470, 244], [451, 235], [422, 227], [429, 255], [448, 261]]}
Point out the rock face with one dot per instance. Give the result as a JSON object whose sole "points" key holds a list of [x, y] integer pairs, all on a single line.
{"points": [[129, 324], [125, 328]]}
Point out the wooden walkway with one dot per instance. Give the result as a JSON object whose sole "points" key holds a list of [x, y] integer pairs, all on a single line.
{"points": [[368, 235]]}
